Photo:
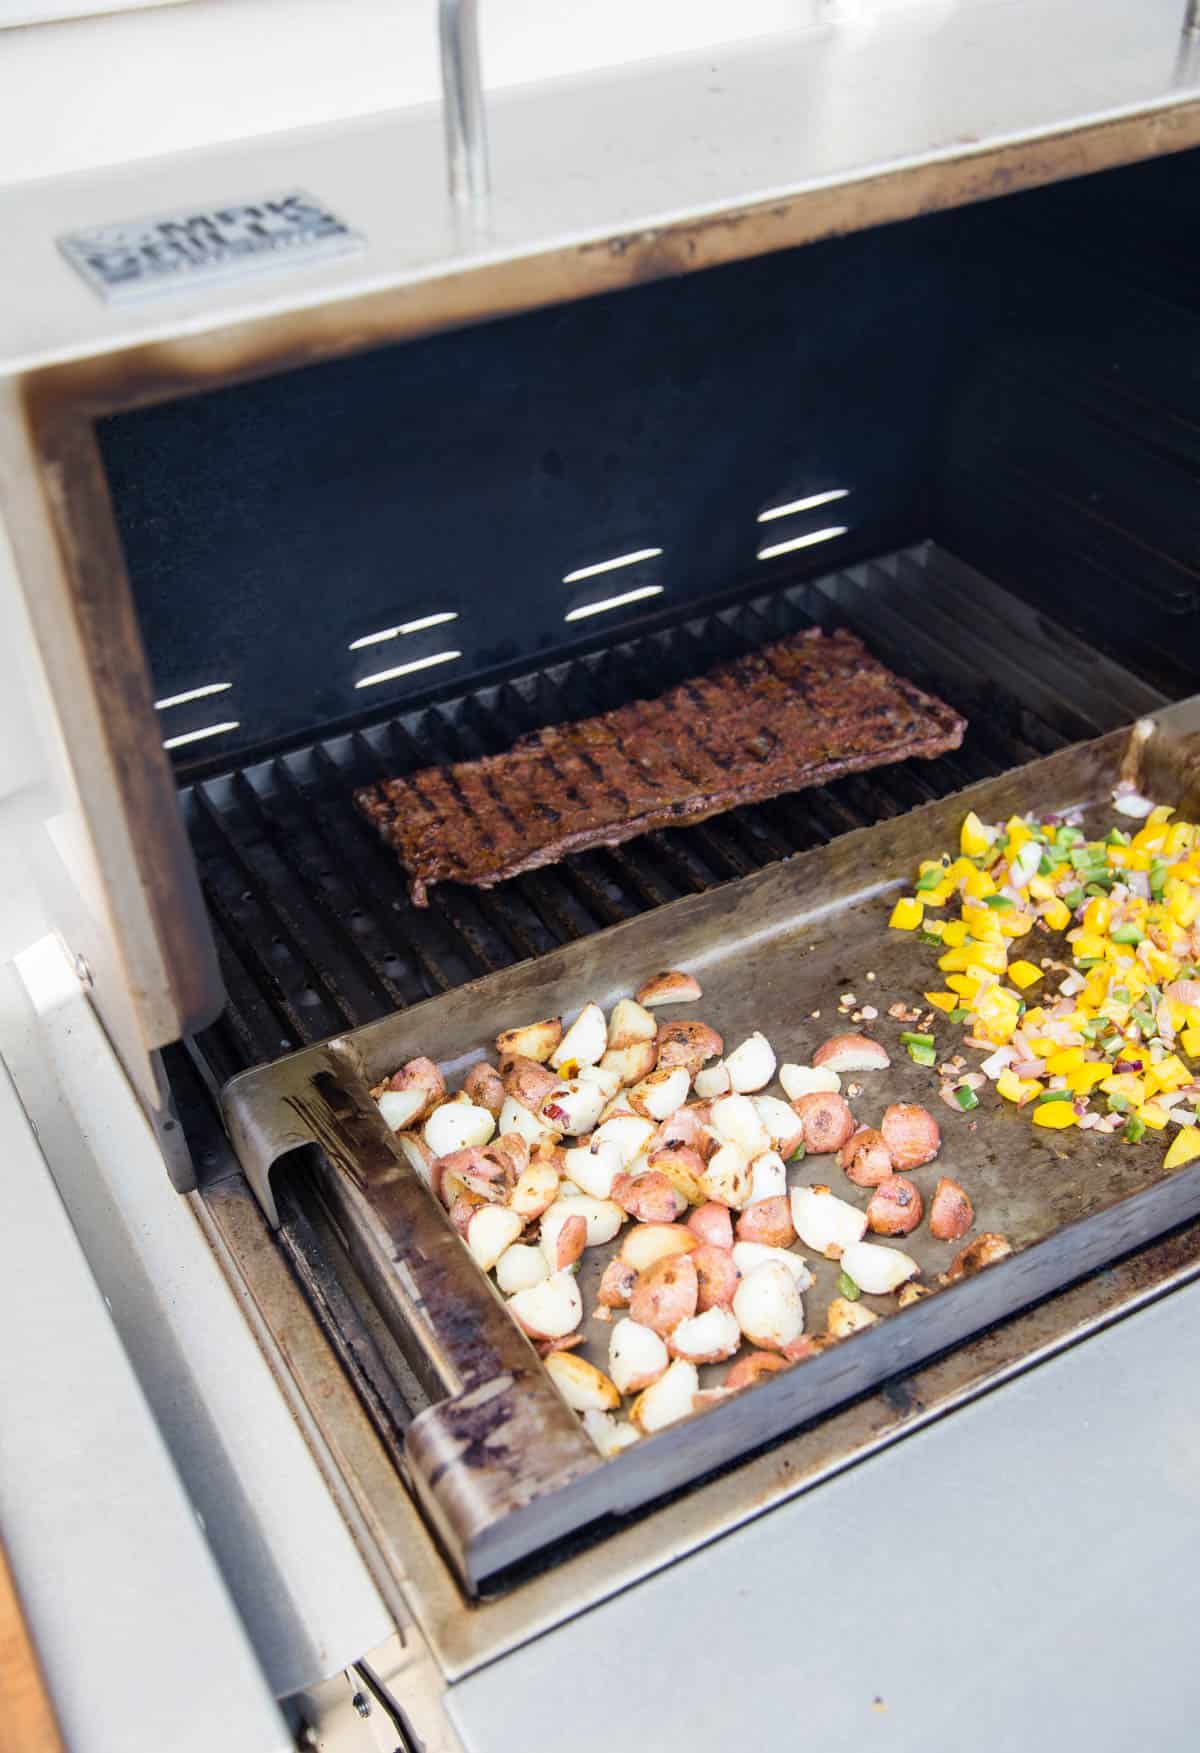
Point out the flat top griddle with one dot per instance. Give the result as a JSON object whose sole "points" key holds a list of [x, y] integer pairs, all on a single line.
{"points": [[501, 1466]]}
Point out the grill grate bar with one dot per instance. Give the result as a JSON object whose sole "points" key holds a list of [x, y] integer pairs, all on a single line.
{"points": [[313, 923], [268, 939]]}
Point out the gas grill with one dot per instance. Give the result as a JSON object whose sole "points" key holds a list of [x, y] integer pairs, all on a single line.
{"points": [[266, 564]]}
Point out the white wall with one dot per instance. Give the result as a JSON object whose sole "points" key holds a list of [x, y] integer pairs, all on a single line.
{"points": [[91, 91]]}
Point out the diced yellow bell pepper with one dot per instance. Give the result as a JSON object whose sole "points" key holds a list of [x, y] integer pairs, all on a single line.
{"points": [[1127, 1084], [1117, 857], [1170, 1073], [1163, 966], [935, 927], [1191, 1043], [942, 1000], [955, 933], [939, 896], [1095, 991], [1019, 834], [977, 884], [1015, 923], [1041, 888], [1023, 974], [906, 914], [1084, 1078], [1056, 1116], [1057, 914], [1017, 1089], [928, 864], [973, 836], [1162, 812], [1153, 1116], [1034, 1018], [1183, 903], [1086, 945], [1097, 913], [1149, 839], [1065, 1059], [1184, 1146], [963, 985], [995, 1015], [1180, 836], [983, 924]]}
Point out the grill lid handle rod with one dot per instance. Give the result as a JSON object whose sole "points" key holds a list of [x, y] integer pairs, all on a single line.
{"points": [[463, 111]]}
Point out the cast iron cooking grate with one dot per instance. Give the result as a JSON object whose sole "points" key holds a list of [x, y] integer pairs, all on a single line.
{"points": [[314, 928]]}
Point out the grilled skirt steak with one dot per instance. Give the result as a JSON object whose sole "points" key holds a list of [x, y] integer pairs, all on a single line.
{"points": [[797, 713]]}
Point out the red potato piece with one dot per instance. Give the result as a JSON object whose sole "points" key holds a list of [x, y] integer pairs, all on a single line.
{"points": [[911, 1133], [851, 1053], [510, 1147], [670, 987], [536, 1190], [526, 1081], [687, 1044], [753, 1367], [768, 1221], [826, 1119], [546, 1347], [650, 1197], [665, 1294], [716, 1277], [701, 1113], [711, 1337], [450, 1172], [462, 1209], [951, 1213], [420, 1073], [485, 1087], [866, 1158], [803, 1346], [713, 1224], [683, 1168], [535, 1041], [616, 1285], [685, 1129], [896, 1207], [628, 1022], [985, 1250], [632, 1063], [549, 1310], [569, 1243], [644, 1243]]}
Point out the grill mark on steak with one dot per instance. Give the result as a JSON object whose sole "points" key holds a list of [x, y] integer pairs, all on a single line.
{"points": [[797, 713]]}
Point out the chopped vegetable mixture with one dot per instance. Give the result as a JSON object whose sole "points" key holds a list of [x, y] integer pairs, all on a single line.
{"points": [[1109, 1042]]}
